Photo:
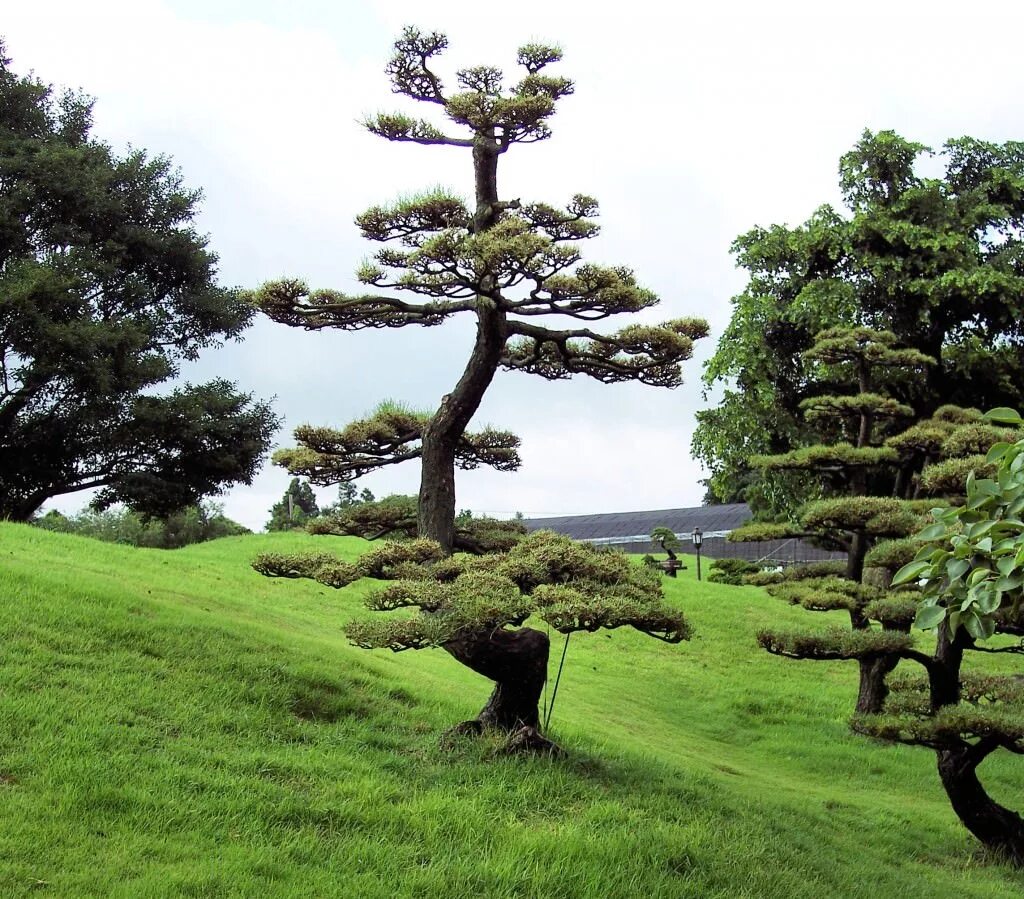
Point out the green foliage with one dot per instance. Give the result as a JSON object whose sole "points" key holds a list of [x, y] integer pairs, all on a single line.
{"points": [[839, 457], [978, 567], [796, 573], [892, 554], [909, 254], [295, 508], [878, 516], [569, 585], [195, 524], [836, 644], [105, 288], [731, 571]]}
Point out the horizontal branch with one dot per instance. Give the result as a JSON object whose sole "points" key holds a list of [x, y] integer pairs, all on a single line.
{"points": [[291, 303], [648, 354]]}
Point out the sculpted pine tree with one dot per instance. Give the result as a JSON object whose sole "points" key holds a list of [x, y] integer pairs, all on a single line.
{"points": [[848, 517], [930, 462], [504, 262], [510, 265]]}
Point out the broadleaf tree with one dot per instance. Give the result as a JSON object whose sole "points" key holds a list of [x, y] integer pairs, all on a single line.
{"points": [[513, 266], [105, 288], [937, 260]]}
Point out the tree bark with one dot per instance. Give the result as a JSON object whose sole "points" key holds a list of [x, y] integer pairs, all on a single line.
{"points": [[436, 508], [998, 828], [517, 662], [873, 688]]}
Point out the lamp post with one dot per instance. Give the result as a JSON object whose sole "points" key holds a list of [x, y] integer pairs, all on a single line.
{"points": [[698, 539]]}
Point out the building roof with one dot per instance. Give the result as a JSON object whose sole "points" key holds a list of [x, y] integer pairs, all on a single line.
{"points": [[611, 525]]}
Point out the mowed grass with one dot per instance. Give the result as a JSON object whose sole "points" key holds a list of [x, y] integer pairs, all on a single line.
{"points": [[173, 724]]}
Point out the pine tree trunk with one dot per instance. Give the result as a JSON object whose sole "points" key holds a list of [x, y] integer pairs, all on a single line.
{"points": [[517, 662], [436, 508], [998, 828], [873, 688]]}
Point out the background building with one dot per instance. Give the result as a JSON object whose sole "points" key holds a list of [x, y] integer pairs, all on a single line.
{"points": [[630, 532]]}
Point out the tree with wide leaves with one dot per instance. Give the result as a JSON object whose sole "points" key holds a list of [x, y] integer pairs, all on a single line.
{"points": [[969, 571], [938, 261], [105, 287]]}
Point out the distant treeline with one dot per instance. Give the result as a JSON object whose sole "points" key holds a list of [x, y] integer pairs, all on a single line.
{"points": [[194, 524]]}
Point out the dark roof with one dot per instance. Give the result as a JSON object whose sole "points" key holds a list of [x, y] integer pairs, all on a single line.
{"points": [[630, 524]]}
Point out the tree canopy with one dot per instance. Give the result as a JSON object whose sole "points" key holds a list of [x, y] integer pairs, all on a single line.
{"points": [[937, 261], [105, 287], [513, 265]]}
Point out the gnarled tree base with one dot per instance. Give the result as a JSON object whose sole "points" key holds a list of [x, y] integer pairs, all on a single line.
{"points": [[524, 741], [517, 662], [998, 828]]}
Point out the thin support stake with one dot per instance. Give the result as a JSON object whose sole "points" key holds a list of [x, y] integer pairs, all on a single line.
{"points": [[558, 678]]}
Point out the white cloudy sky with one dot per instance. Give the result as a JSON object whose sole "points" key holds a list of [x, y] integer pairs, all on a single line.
{"points": [[689, 124]]}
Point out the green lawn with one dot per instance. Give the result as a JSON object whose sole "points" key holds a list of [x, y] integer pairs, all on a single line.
{"points": [[171, 723]]}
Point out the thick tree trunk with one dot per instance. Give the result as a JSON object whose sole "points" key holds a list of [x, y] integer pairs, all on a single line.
{"points": [[859, 546], [998, 828], [873, 688], [517, 662], [436, 509]]}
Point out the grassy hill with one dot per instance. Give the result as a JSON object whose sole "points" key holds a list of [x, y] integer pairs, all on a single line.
{"points": [[173, 724]]}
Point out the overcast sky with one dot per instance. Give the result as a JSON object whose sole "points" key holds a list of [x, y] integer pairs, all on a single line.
{"points": [[689, 127]]}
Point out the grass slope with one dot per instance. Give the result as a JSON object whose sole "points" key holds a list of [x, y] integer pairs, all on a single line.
{"points": [[172, 724]]}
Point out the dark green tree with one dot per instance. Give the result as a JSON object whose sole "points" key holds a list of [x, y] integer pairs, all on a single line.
{"points": [[508, 264], [847, 470], [937, 261], [105, 287], [295, 508]]}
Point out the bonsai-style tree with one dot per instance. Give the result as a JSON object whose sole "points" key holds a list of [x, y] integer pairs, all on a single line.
{"points": [[509, 264], [970, 573], [847, 517], [669, 543], [951, 445], [474, 608]]}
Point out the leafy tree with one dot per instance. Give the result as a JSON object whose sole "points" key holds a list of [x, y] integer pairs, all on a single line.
{"points": [[937, 261], [509, 265], [504, 262], [295, 508], [105, 287], [473, 607], [194, 524], [970, 573]]}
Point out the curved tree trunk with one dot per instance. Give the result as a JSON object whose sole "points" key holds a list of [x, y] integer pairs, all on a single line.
{"points": [[436, 508], [998, 828], [517, 662]]}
